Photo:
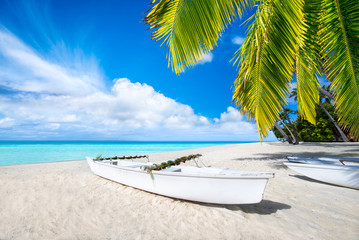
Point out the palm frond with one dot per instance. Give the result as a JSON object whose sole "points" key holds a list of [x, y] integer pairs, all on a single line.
{"points": [[340, 49], [306, 62], [266, 62], [191, 28], [307, 87]]}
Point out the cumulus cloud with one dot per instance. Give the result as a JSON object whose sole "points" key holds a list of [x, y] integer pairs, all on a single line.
{"points": [[52, 101], [232, 120], [130, 108], [208, 57], [238, 40]]}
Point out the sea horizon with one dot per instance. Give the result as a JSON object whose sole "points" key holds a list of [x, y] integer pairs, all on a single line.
{"points": [[121, 141], [14, 152]]}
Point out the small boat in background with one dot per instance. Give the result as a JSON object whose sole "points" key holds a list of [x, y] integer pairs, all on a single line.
{"points": [[325, 160], [200, 184], [333, 173]]}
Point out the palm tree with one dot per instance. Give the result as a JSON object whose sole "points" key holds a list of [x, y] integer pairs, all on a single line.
{"points": [[327, 96], [286, 120], [285, 136], [307, 38]]}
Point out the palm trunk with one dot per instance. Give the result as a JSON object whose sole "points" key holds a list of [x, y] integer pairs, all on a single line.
{"points": [[285, 136], [291, 133], [326, 93], [295, 137], [345, 139]]}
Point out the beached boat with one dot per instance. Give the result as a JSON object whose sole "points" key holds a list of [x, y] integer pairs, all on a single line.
{"points": [[342, 175], [200, 184], [325, 160]]}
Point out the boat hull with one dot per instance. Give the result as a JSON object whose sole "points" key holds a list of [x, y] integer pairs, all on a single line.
{"points": [[347, 176], [208, 189]]}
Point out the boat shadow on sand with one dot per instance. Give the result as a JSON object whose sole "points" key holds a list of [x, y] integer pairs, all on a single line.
{"points": [[265, 207]]}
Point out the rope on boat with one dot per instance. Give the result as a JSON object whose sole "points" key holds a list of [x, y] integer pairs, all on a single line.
{"points": [[123, 157], [353, 161], [157, 167], [177, 161]]}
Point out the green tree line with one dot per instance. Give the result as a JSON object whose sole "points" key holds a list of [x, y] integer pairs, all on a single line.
{"points": [[326, 128]]}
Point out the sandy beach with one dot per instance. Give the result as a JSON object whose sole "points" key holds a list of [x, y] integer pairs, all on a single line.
{"points": [[65, 200]]}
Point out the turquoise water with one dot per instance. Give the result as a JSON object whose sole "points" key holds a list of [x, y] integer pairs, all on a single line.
{"points": [[20, 152]]}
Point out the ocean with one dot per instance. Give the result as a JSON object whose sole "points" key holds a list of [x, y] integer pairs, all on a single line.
{"points": [[21, 152]]}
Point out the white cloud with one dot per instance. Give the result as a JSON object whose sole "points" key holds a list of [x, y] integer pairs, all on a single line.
{"points": [[130, 109], [238, 40], [50, 100], [24, 70], [208, 57], [232, 120], [129, 105], [52, 126], [6, 122]]}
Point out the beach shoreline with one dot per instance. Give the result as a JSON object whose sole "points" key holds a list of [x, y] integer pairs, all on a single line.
{"points": [[65, 200]]}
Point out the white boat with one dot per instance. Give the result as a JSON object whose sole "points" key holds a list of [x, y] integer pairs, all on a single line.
{"points": [[325, 160], [342, 175], [200, 184]]}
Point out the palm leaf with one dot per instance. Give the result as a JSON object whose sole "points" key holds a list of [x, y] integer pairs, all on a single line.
{"points": [[340, 49], [266, 62], [307, 64], [307, 87], [191, 28]]}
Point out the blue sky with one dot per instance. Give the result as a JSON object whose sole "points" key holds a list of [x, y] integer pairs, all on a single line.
{"points": [[88, 70]]}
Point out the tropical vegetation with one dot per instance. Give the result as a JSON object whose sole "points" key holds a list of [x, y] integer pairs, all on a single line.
{"points": [[326, 128], [170, 163], [307, 39], [323, 131], [100, 158], [156, 166]]}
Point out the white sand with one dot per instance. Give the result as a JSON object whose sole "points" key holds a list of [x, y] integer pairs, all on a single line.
{"points": [[64, 200]]}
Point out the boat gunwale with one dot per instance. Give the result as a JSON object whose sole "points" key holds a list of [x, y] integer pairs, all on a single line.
{"points": [[291, 158], [324, 166], [260, 175]]}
